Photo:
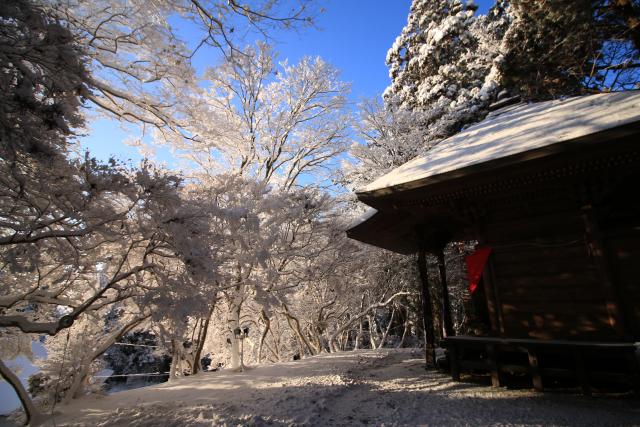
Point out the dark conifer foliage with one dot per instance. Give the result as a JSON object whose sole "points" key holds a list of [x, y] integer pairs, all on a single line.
{"points": [[557, 48]]}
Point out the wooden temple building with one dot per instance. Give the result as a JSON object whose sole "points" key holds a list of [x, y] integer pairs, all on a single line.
{"points": [[550, 192]]}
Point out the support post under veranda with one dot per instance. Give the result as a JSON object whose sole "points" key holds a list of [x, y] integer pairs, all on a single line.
{"points": [[427, 314]]}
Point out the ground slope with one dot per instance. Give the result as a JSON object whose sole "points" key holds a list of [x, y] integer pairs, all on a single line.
{"points": [[385, 387]]}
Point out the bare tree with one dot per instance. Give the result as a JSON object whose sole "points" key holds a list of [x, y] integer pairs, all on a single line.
{"points": [[264, 127], [271, 122], [139, 64]]}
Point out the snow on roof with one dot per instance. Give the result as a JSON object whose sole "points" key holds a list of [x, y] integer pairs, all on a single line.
{"points": [[359, 219], [517, 129]]}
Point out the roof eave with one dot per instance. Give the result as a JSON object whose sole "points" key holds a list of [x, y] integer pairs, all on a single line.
{"points": [[372, 197]]}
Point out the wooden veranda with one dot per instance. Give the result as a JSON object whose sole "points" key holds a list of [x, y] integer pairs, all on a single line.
{"points": [[552, 190]]}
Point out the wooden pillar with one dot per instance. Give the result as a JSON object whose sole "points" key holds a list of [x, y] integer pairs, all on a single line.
{"points": [[454, 362], [427, 315], [446, 304], [494, 366], [534, 370]]}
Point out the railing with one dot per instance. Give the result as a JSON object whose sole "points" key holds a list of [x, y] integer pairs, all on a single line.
{"points": [[585, 361]]}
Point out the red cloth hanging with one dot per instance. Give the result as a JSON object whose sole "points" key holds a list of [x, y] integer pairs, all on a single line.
{"points": [[475, 266]]}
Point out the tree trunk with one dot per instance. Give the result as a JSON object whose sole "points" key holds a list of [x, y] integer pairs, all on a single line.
{"points": [[317, 330], [405, 331], [33, 414], [276, 342], [360, 328], [233, 321], [202, 337], [345, 340], [427, 315], [176, 354], [386, 331], [373, 331], [81, 379], [294, 324], [359, 316], [263, 342], [317, 337], [192, 361], [359, 335], [263, 336]]}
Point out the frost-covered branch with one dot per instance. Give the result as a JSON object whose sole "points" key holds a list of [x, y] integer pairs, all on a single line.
{"points": [[360, 315], [33, 415], [141, 67]]}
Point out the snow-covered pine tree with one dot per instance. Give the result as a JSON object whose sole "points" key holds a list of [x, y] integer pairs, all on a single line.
{"points": [[441, 65], [617, 65], [547, 48], [445, 69], [430, 53]]}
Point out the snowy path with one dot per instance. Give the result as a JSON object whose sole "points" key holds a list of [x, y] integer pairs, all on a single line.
{"points": [[354, 388]]}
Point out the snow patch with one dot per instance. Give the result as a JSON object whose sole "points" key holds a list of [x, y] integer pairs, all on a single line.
{"points": [[366, 387]]}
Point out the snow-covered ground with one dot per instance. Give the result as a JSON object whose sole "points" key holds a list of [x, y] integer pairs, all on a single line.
{"points": [[384, 387]]}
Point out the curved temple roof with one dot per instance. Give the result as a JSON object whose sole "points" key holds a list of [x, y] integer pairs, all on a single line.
{"points": [[515, 130]]}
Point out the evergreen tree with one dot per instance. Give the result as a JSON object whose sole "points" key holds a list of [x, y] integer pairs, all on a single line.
{"points": [[429, 60], [565, 47], [443, 65], [144, 355], [547, 48]]}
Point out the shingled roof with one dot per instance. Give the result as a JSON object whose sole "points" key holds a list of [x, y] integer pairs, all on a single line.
{"points": [[513, 131]]}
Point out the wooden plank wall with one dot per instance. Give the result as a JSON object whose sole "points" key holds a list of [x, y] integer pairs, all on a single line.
{"points": [[625, 262], [547, 284], [620, 223]]}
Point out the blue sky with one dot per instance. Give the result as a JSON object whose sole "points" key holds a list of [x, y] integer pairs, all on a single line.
{"points": [[352, 35], [23, 368]]}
